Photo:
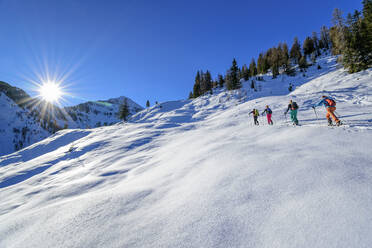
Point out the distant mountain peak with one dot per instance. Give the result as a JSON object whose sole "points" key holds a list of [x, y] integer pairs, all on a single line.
{"points": [[28, 120]]}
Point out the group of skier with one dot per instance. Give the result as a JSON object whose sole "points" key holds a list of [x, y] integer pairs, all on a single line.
{"points": [[268, 115], [328, 102]]}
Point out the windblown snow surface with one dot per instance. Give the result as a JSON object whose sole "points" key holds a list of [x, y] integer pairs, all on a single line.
{"points": [[199, 174]]}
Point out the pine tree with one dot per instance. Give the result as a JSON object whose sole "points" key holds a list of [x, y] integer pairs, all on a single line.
{"points": [[315, 39], [284, 62], [325, 39], [232, 77], [147, 103], [124, 110], [267, 64], [208, 81], [261, 64], [357, 54], [191, 96], [337, 33], [205, 82], [366, 32], [353, 43], [221, 81], [196, 89], [295, 53], [303, 63], [252, 68], [245, 73], [337, 18], [274, 61], [308, 46]]}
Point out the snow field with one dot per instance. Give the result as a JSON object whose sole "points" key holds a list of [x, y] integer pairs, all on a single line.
{"points": [[200, 174]]}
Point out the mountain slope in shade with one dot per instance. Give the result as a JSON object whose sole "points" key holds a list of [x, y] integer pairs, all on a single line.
{"points": [[25, 120], [18, 127]]}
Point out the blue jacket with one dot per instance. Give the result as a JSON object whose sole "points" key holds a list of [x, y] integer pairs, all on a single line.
{"points": [[268, 111], [324, 102]]}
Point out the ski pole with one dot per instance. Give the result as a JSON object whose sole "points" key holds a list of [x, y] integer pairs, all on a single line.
{"points": [[316, 114]]}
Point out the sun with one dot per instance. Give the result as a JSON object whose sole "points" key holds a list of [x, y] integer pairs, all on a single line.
{"points": [[50, 91]]}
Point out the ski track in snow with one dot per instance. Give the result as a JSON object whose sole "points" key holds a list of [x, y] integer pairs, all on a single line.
{"points": [[200, 174]]}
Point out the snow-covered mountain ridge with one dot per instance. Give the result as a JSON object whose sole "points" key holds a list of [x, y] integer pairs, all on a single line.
{"points": [[200, 174], [18, 128], [25, 120]]}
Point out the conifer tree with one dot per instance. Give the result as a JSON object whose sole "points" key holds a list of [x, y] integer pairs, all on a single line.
{"points": [[267, 63], [315, 39], [337, 33], [203, 86], [124, 110], [308, 46], [205, 82], [274, 61], [191, 95], [245, 73], [280, 54], [367, 15], [147, 103], [221, 81], [196, 89], [232, 77], [366, 32], [357, 54], [208, 81], [252, 68], [261, 64], [303, 62], [295, 53], [353, 43], [284, 62], [325, 39]]}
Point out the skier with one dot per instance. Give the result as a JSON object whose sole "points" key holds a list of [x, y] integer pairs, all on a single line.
{"points": [[255, 116], [268, 114], [330, 105], [290, 87], [292, 106]]}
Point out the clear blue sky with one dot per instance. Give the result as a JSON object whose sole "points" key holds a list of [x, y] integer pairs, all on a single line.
{"points": [[145, 49]]}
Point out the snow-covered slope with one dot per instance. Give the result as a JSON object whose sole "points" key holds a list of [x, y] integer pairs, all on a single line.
{"points": [[199, 174], [18, 128], [99, 113]]}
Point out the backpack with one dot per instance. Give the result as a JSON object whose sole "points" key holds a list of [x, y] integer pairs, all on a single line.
{"points": [[256, 112], [330, 102], [294, 106]]}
